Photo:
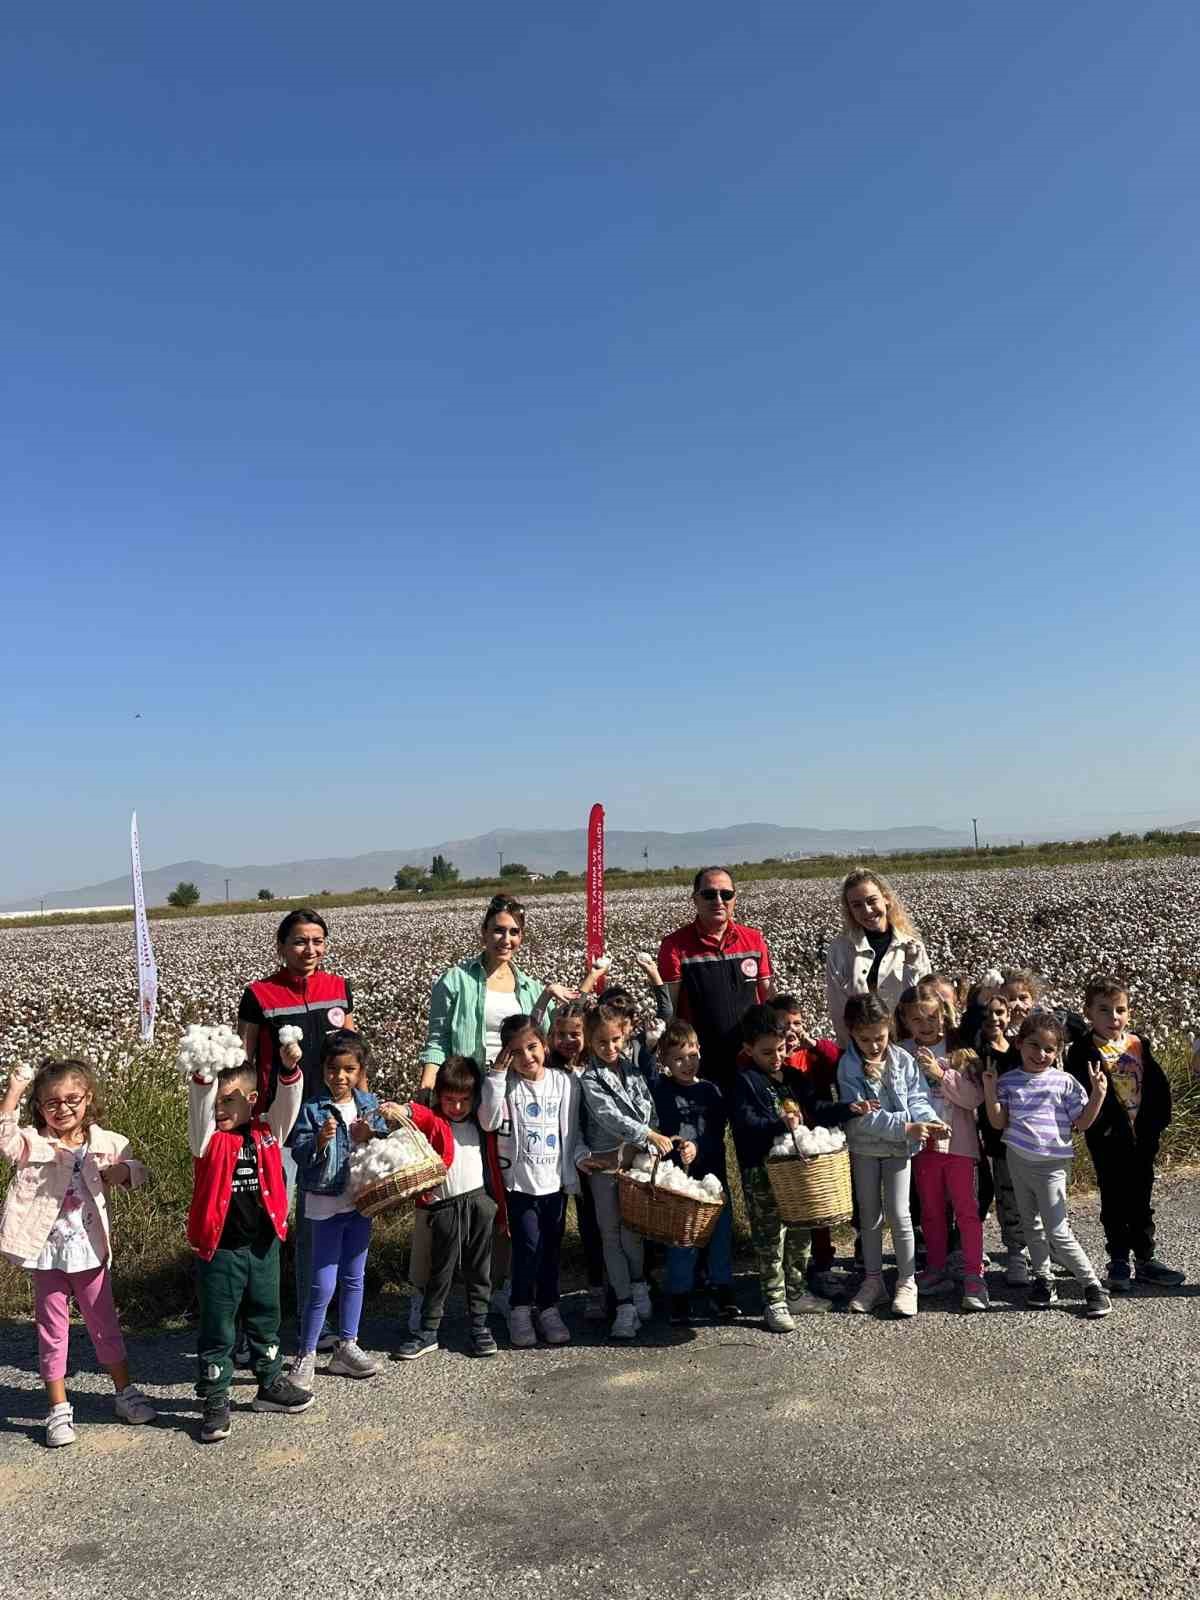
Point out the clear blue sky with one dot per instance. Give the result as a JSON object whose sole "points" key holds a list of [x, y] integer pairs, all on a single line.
{"points": [[438, 418]]}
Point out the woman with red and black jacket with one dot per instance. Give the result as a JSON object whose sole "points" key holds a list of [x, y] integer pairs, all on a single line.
{"points": [[1123, 1140], [301, 995]]}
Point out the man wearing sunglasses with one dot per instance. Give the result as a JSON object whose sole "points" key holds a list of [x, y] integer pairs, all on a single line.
{"points": [[716, 970]]}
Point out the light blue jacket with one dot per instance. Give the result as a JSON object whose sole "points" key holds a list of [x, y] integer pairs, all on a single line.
{"points": [[902, 1097], [327, 1171], [617, 1106], [456, 1007]]}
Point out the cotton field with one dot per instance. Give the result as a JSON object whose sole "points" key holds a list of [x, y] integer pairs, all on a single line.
{"points": [[74, 989]]}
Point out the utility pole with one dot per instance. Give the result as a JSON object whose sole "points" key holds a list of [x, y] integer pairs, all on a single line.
{"points": [[42, 904], [646, 856], [975, 825], [500, 853], [226, 891]]}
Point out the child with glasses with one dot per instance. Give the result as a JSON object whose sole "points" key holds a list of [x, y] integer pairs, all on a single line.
{"points": [[55, 1225]]}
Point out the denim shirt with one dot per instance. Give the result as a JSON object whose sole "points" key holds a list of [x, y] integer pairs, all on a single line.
{"points": [[902, 1098], [618, 1106], [327, 1171]]}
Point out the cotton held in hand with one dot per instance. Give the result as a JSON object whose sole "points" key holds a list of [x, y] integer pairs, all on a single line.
{"points": [[205, 1051]]}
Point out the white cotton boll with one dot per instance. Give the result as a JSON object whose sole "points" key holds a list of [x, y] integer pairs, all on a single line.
{"points": [[712, 1187], [602, 963], [290, 1034], [206, 1051]]}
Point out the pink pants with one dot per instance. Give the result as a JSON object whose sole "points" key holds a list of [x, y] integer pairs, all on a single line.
{"points": [[943, 1179], [52, 1292]]}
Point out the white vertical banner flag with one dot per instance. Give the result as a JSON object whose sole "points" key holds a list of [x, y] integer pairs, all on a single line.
{"points": [[147, 971]]}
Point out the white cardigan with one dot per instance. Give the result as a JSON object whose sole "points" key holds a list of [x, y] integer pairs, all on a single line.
{"points": [[848, 963]]}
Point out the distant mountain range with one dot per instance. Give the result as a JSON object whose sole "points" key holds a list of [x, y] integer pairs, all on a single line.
{"points": [[541, 850]]}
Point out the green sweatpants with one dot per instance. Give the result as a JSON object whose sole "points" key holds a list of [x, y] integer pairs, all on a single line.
{"points": [[780, 1248], [245, 1280]]}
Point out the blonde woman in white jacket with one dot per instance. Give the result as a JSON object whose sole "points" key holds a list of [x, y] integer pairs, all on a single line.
{"points": [[879, 951]]}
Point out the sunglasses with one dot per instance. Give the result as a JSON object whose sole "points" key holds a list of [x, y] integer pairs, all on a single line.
{"points": [[717, 894]]}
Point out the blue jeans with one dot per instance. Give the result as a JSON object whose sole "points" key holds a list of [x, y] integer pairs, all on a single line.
{"points": [[535, 1222], [681, 1264], [339, 1257]]}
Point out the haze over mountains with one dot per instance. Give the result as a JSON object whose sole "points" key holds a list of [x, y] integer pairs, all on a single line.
{"points": [[541, 850]]}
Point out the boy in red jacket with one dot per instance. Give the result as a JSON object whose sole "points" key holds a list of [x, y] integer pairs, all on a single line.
{"points": [[817, 1060], [237, 1219]]}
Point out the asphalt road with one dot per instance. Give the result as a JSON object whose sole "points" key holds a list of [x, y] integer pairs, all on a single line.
{"points": [[1016, 1454]]}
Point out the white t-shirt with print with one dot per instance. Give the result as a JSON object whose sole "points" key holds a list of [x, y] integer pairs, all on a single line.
{"points": [[68, 1246], [535, 1162]]}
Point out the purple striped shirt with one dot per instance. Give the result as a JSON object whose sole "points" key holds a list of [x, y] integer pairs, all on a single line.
{"points": [[1042, 1106]]}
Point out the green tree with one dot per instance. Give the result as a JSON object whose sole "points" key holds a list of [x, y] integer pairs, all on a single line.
{"points": [[409, 877], [265, 894], [560, 875], [514, 869], [183, 894], [443, 871]]}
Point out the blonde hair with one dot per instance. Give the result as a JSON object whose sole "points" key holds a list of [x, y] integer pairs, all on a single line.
{"points": [[898, 917]]}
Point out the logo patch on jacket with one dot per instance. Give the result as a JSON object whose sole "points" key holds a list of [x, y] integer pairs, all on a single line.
{"points": [[337, 1017], [750, 967]]}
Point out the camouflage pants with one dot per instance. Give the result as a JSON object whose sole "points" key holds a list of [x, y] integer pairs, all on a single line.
{"points": [[780, 1249]]}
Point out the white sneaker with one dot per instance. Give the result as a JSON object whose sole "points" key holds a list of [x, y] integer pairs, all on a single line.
{"points": [[904, 1301], [625, 1323], [304, 1371], [597, 1305], [131, 1405], [60, 1425], [807, 1305], [870, 1292], [520, 1328], [416, 1308], [641, 1300], [351, 1361], [500, 1299], [552, 1327], [779, 1319]]}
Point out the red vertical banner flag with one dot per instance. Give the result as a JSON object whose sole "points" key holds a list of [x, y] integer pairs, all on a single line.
{"points": [[595, 885]]}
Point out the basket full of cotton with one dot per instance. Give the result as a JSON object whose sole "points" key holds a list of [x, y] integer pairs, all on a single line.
{"points": [[384, 1173], [661, 1202], [809, 1173]]}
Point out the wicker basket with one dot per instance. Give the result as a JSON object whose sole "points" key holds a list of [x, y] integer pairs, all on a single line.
{"points": [[661, 1214], [406, 1182], [813, 1190]]}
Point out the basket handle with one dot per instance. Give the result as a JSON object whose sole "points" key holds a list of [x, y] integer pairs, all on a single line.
{"points": [[803, 1155], [675, 1141]]}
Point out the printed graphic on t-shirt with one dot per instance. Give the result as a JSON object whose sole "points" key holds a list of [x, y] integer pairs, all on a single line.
{"points": [[1123, 1060]]}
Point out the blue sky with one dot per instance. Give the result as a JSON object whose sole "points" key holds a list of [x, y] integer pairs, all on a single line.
{"points": [[437, 420]]}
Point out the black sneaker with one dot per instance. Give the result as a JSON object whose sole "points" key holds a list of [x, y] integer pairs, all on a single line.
{"points": [[681, 1310], [1042, 1293], [1118, 1276], [1098, 1303], [1159, 1274], [421, 1344], [726, 1301], [482, 1343], [282, 1395], [215, 1424]]}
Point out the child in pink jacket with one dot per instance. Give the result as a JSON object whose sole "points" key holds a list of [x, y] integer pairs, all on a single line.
{"points": [[55, 1224], [945, 1171]]}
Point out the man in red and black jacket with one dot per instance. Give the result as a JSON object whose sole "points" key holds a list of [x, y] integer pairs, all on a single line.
{"points": [[715, 970]]}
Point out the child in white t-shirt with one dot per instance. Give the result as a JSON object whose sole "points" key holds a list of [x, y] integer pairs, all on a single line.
{"points": [[535, 1114]]}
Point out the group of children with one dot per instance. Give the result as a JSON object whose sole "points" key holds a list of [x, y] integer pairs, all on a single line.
{"points": [[973, 1109]]}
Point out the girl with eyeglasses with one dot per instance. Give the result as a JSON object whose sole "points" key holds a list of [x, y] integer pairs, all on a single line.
{"points": [[55, 1224]]}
